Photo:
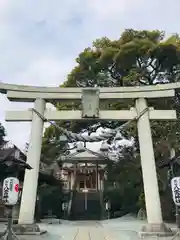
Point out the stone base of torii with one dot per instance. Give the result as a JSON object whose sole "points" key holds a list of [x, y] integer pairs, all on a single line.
{"points": [[90, 102]]}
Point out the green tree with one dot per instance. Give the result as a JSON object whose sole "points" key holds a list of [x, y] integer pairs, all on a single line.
{"points": [[50, 198], [136, 58], [124, 182], [2, 134]]}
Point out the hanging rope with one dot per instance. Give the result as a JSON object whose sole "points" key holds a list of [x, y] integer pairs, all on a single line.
{"points": [[74, 137]]}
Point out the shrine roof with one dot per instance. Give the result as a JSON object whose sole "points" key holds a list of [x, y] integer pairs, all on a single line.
{"points": [[86, 156]]}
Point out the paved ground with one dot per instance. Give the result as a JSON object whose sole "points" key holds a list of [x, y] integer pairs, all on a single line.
{"points": [[125, 228], [86, 231]]}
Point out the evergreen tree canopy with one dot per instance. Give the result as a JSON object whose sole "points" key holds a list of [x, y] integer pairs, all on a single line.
{"points": [[136, 58], [2, 134]]}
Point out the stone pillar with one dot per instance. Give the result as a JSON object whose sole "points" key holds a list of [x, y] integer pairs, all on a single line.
{"points": [[69, 181], [99, 182], [102, 181], [97, 178], [172, 153], [28, 200], [72, 180], [151, 190]]}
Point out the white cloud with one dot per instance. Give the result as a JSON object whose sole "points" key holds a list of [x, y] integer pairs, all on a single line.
{"points": [[106, 10], [40, 39], [46, 71]]}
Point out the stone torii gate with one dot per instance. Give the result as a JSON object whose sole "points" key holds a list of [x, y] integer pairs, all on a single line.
{"points": [[90, 109]]}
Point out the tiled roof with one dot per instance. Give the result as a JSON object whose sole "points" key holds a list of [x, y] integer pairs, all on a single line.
{"points": [[6, 152]]}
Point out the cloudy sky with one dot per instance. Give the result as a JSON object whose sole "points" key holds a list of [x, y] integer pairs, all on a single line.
{"points": [[39, 39]]}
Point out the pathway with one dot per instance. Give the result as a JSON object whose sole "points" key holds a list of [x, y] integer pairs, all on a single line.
{"points": [[86, 230], [125, 228]]}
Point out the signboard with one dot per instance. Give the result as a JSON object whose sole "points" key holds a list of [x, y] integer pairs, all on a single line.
{"points": [[175, 186], [10, 192], [90, 103]]}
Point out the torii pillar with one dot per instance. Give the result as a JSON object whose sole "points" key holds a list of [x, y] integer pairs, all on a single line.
{"points": [[150, 180], [28, 201]]}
